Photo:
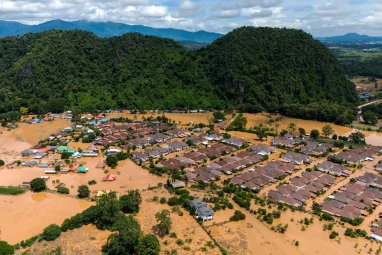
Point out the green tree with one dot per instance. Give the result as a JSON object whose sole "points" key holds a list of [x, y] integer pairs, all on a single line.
{"points": [[6, 249], [2, 162], [218, 116], [148, 245], [302, 131], [24, 111], [130, 203], [327, 130], [370, 117], [261, 133], [52, 232], [38, 185], [83, 191], [109, 208], [126, 239], [164, 222], [112, 161], [63, 190], [292, 127], [314, 133], [65, 155], [357, 137], [239, 123]]}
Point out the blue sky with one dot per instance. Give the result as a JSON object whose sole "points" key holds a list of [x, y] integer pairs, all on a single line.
{"points": [[320, 18]]}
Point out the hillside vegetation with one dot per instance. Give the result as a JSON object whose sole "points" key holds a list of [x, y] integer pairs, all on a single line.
{"points": [[249, 69]]}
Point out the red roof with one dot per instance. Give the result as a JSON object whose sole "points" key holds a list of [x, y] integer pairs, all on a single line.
{"points": [[110, 177]]}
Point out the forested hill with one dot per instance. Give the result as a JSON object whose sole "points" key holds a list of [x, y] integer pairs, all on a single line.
{"points": [[249, 69]]}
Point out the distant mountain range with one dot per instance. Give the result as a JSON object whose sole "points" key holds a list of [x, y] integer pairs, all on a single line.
{"points": [[351, 38], [106, 29]]}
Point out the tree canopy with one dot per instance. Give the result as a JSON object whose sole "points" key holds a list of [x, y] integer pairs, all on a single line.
{"points": [[250, 69]]}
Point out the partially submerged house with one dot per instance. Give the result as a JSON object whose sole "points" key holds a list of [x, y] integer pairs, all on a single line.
{"points": [[333, 169], [263, 149], [203, 211], [235, 141], [296, 158]]}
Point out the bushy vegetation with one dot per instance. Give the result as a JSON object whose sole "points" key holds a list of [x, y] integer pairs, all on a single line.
{"points": [[130, 203], [238, 215], [5, 248], [38, 185], [11, 190], [164, 223], [63, 190], [83, 191], [52, 232], [250, 69], [354, 233]]}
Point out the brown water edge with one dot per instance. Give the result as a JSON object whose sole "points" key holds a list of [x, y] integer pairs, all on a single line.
{"points": [[26, 215], [129, 176]]}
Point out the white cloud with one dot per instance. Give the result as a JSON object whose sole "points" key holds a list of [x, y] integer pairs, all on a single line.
{"points": [[188, 5], [227, 14], [154, 11], [327, 17]]}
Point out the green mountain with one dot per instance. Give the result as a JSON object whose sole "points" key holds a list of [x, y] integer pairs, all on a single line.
{"points": [[249, 69]]}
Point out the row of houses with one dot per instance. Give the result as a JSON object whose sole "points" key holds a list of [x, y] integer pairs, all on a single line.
{"points": [[301, 188], [333, 169], [260, 176], [358, 155], [196, 157], [287, 141], [224, 166], [356, 198], [296, 158], [313, 148]]}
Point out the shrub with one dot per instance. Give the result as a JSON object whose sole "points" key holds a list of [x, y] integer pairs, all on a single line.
{"points": [[11, 190], [164, 222], [5, 248], [327, 216], [333, 235], [2, 162], [130, 203], [163, 200], [38, 185], [83, 191], [92, 182], [238, 215], [65, 155], [172, 201], [148, 245], [112, 161], [63, 190], [52, 232]]}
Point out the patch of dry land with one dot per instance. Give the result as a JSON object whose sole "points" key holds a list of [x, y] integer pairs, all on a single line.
{"points": [[26, 215]]}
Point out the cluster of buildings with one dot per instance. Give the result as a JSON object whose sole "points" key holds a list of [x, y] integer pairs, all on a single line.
{"points": [[313, 148], [225, 165], [356, 198], [286, 141], [358, 155], [301, 188], [196, 157], [260, 176]]}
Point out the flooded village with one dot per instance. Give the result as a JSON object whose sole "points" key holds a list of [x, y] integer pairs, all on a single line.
{"points": [[227, 189]]}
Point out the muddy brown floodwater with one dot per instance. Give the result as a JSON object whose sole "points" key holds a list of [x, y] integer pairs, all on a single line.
{"points": [[26, 215]]}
